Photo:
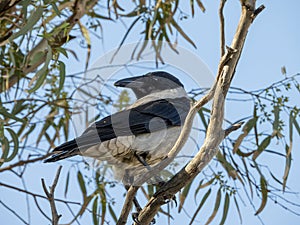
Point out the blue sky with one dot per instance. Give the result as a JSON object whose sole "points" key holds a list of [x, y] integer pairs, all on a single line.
{"points": [[272, 42]]}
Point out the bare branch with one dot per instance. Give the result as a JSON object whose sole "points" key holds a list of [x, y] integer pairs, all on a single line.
{"points": [[50, 196], [222, 26]]}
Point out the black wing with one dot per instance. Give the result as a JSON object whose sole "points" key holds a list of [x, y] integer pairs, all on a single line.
{"points": [[150, 117]]}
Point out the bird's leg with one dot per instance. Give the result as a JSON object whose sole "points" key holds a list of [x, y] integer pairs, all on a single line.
{"points": [[141, 159], [158, 181]]}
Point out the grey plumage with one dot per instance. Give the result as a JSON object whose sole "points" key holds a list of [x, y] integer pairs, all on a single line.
{"points": [[148, 128]]}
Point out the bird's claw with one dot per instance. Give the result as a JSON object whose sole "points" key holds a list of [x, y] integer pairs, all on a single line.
{"points": [[135, 216]]}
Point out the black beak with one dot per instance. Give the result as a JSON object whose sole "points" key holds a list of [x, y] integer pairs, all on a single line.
{"points": [[132, 82]]}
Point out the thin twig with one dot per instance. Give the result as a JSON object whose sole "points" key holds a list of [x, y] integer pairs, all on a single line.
{"points": [[222, 26], [37, 195], [13, 211], [50, 197], [23, 162]]}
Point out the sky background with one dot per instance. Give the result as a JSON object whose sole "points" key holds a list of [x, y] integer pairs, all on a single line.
{"points": [[272, 42]]}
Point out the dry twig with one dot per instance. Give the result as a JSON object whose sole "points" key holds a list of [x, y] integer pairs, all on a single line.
{"points": [[50, 197]]}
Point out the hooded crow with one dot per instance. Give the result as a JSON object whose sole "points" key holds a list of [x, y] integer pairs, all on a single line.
{"points": [[139, 136]]}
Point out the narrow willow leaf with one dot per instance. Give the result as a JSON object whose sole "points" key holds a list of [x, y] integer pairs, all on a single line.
{"points": [[276, 112], [288, 162], [85, 204], [200, 205], [150, 190], [95, 211], [200, 186], [86, 35], [31, 128], [112, 213], [67, 184], [238, 209], [6, 114], [276, 179], [264, 192], [43, 131], [227, 166], [201, 6], [103, 212], [81, 184], [216, 207], [15, 140], [32, 20], [183, 195], [248, 177], [5, 149], [192, 7], [55, 8], [246, 129], [225, 209], [184, 35], [19, 106], [296, 124], [41, 75], [62, 76], [264, 144], [202, 117]]}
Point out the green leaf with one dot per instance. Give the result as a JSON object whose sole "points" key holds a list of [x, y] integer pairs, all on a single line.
{"points": [[276, 112], [200, 186], [296, 125], [227, 166], [225, 209], [62, 76], [5, 150], [183, 195], [85, 33], [32, 20], [216, 207], [200, 205], [81, 184], [264, 144], [67, 184], [95, 211], [184, 35], [238, 209], [6, 114], [288, 163], [112, 213], [264, 192], [15, 140], [28, 132], [246, 129], [41, 75]]}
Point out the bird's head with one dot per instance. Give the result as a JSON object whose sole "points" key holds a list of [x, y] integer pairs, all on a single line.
{"points": [[150, 83]]}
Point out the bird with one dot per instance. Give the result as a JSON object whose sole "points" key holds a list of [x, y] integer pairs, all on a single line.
{"points": [[141, 135]]}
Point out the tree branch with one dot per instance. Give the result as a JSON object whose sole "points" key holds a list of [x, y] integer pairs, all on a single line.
{"points": [[51, 199], [23, 162], [127, 205], [222, 26], [215, 133]]}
